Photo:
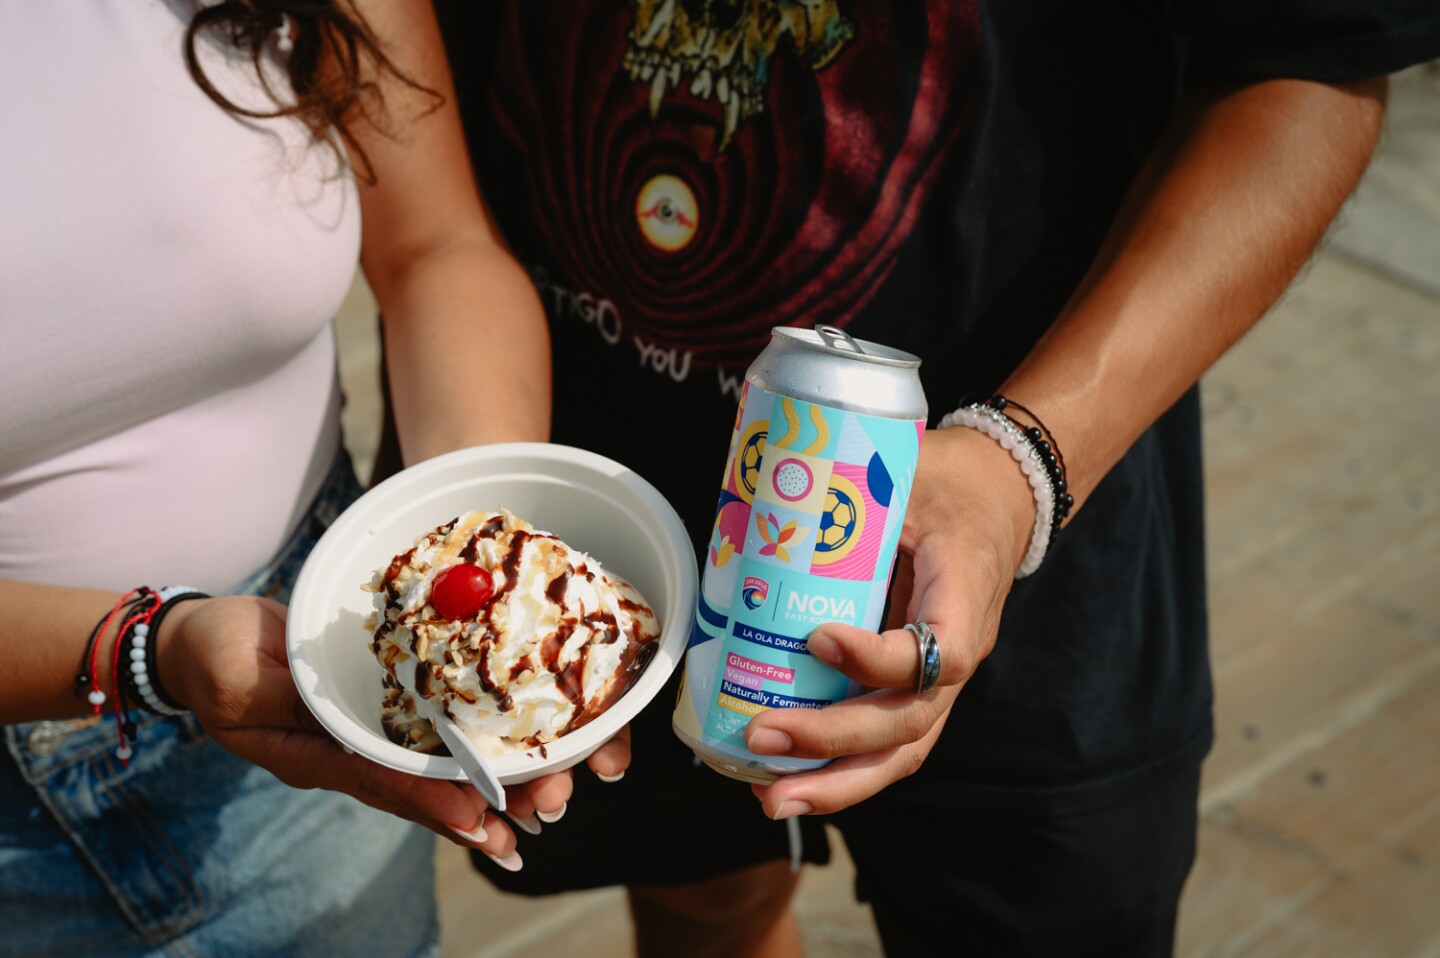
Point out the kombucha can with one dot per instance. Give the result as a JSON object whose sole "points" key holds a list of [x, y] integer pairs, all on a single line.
{"points": [[821, 462]]}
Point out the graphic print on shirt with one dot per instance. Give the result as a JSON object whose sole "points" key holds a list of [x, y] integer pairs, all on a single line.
{"points": [[722, 50], [694, 172]]}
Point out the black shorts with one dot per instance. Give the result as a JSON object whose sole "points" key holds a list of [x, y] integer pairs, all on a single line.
{"points": [[1103, 880], [669, 821]]}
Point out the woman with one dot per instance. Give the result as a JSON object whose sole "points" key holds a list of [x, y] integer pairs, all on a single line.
{"points": [[180, 217]]}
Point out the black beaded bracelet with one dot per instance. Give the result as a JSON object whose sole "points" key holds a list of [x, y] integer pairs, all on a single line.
{"points": [[1038, 455], [1050, 455]]}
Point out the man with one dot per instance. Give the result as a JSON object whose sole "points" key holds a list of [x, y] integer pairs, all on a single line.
{"points": [[1079, 207]]}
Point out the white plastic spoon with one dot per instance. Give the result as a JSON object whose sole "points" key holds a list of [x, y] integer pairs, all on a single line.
{"points": [[472, 763], [475, 766]]}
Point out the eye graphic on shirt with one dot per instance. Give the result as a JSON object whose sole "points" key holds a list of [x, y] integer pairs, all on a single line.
{"points": [[667, 213]]}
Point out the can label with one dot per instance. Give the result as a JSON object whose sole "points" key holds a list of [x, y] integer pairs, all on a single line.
{"points": [[805, 533]]}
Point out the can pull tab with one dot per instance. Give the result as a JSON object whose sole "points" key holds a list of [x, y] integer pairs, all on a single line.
{"points": [[837, 338]]}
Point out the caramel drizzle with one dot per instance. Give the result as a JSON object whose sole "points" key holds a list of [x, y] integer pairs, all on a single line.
{"points": [[568, 678]]}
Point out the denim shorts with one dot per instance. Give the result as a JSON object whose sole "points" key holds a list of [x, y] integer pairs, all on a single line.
{"points": [[190, 851]]}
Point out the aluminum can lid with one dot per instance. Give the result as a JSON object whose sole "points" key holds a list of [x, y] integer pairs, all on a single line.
{"points": [[832, 339], [828, 366]]}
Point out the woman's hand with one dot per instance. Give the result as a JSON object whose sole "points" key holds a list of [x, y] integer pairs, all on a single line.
{"points": [[224, 659], [966, 529]]}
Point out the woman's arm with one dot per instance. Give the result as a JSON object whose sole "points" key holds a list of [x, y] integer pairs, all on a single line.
{"points": [[44, 632], [466, 343], [224, 658], [1219, 222]]}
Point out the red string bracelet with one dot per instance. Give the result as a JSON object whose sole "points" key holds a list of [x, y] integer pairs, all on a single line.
{"points": [[141, 614], [89, 676]]}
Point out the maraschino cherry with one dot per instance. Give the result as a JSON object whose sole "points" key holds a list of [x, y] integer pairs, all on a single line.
{"points": [[461, 591]]}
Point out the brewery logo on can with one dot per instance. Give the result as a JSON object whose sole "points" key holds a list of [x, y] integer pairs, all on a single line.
{"points": [[822, 456], [755, 591]]}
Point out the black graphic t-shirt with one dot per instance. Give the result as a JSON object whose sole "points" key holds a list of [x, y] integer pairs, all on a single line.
{"points": [[679, 176]]}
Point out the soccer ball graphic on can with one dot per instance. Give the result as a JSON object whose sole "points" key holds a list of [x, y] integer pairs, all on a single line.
{"points": [[839, 522]]}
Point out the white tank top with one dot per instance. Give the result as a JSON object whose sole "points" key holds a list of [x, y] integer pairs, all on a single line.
{"points": [[168, 273]]}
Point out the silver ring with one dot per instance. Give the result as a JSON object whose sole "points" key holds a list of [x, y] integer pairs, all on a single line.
{"points": [[929, 671]]}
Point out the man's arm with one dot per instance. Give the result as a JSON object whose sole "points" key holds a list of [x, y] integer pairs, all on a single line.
{"points": [[1215, 230], [1223, 216]]}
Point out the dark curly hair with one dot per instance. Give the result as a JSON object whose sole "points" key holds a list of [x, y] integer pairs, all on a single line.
{"points": [[323, 33]]}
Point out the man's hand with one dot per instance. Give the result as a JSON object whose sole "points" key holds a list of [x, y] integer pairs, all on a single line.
{"points": [[966, 528]]}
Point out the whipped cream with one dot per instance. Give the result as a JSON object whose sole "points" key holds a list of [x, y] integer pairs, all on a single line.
{"points": [[557, 642]]}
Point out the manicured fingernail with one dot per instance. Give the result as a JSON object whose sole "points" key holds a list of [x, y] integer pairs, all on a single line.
{"points": [[511, 862], [824, 648], [552, 817], [527, 824], [476, 834], [790, 809], [611, 778], [768, 741]]}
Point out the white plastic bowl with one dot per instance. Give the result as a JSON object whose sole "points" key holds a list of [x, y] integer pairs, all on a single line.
{"points": [[592, 503]]}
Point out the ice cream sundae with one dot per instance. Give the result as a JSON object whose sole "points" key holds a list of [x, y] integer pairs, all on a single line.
{"points": [[507, 630]]}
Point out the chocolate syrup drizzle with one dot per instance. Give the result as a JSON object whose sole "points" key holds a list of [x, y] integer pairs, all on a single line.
{"points": [[568, 678], [503, 701], [555, 591]]}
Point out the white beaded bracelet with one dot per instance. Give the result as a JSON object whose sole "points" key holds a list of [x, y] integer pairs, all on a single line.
{"points": [[142, 653], [1013, 439]]}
